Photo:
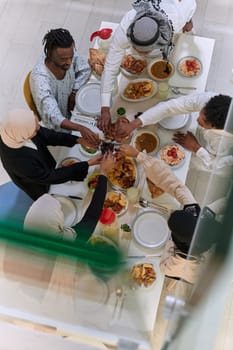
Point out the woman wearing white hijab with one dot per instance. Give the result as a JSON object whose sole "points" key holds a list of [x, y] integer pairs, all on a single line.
{"points": [[47, 214], [26, 158]]}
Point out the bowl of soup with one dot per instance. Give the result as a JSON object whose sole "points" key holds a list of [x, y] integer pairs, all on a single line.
{"points": [[160, 70], [147, 141]]}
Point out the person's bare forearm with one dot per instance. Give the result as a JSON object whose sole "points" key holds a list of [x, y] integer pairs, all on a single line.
{"points": [[67, 124]]}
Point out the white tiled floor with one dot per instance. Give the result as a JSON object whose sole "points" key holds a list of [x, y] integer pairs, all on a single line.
{"points": [[23, 23]]}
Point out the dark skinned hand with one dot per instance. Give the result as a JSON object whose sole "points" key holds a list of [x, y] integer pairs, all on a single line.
{"points": [[187, 140]]}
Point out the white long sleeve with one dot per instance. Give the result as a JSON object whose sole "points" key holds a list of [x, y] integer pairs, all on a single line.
{"points": [[112, 65], [178, 12], [161, 175], [181, 105]]}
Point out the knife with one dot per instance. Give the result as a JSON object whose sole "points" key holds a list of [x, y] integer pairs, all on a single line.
{"points": [[67, 196], [144, 256], [183, 87]]}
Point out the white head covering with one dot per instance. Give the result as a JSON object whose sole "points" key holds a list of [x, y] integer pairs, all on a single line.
{"points": [[17, 127], [46, 214], [151, 29]]}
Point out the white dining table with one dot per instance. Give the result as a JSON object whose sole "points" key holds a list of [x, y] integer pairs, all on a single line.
{"points": [[56, 308], [146, 301]]}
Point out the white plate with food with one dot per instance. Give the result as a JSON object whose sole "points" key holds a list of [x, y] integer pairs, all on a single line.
{"points": [[68, 162], [145, 140], [150, 229], [173, 155], [189, 67], [87, 99], [133, 65], [117, 201], [175, 122], [139, 90], [157, 69]]}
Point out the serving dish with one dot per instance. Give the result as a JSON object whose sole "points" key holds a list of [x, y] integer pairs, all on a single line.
{"points": [[175, 122], [133, 65], [124, 174], [142, 275], [146, 140], [87, 99], [173, 155], [92, 181], [88, 152], [117, 201], [150, 229], [189, 66], [139, 90], [68, 161], [157, 70]]}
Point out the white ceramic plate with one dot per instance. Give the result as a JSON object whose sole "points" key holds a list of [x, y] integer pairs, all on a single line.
{"points": [[69, 209], [150, 230], [71, 160], [87, 99], [174, 123], [144, 131], [124, 209], [144, 98], [91, 293], [182, 60], [175, 166]]}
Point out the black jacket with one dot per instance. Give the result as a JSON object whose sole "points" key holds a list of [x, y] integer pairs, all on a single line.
{"points": [[34, 170]]}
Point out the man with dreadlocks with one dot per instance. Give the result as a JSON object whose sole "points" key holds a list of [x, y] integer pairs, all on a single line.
{"points": [[147, 27], [55, 79]]}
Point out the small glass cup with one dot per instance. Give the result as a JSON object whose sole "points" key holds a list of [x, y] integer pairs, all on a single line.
{"points": [[132, 194], [163, 90]]}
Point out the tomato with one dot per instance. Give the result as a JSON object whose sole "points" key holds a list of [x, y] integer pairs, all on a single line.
{"points": [[107, 216], [174, 155], [169, 153]]}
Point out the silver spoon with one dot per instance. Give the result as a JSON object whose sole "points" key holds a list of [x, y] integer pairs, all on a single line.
{"points": [[119, 293]]}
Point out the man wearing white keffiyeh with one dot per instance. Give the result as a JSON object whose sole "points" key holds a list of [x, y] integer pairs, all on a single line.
{"points": [[147, 27]]}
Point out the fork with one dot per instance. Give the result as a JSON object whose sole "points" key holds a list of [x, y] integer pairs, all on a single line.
{"points": [[145, 204]]}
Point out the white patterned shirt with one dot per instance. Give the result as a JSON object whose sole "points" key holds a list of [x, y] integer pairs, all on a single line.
{"points": [[51, 95]]}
